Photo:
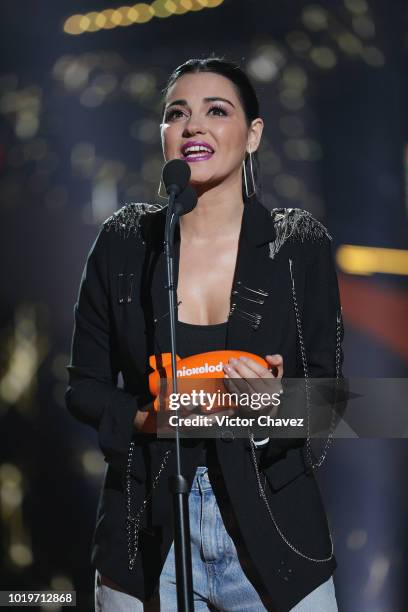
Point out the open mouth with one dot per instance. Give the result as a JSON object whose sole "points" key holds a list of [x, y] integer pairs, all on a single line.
{"points": [[197, 153]]}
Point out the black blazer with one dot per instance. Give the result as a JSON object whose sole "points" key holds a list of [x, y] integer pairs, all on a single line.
{"points": [[121, 319]]}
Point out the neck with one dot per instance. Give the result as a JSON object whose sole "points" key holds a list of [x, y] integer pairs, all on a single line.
{"points": [[218, 214]]}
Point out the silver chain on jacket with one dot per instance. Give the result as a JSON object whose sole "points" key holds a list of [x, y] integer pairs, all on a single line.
{"points": [[261, 488], [306, 375], [133, 546], [280, 532]]}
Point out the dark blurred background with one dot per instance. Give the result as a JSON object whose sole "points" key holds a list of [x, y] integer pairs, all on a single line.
{"points": [[80, 103]]}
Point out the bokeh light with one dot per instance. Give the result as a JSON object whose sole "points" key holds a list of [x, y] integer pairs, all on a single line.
{"points": [[139, 13]]}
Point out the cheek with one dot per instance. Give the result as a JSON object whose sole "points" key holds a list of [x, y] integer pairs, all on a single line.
{"points": [[234, 140]]}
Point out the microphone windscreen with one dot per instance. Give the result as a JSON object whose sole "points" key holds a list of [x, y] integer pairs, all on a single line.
{"points": [[176, 172], [186, 201]]}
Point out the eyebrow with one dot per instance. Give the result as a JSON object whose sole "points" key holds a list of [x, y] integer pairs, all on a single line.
{"points": [[212, 99]]}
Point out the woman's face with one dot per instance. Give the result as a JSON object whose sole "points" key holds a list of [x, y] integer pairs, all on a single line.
{"points": [[204, 124]]}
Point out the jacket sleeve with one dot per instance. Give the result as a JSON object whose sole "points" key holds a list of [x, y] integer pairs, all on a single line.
{"points": [[92, 395], [320, 334], [321, 319]]}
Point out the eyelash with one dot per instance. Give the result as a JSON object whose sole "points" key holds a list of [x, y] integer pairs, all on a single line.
{"points": [[170, 114]]}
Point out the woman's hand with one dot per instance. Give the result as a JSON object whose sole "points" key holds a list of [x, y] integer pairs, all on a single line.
{"points": [[145, 420], [248, 377]]}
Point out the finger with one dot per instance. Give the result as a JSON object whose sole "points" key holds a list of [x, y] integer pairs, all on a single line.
{"points": [[239, 382], [256, 375], [276, 361], [244, 396], [236, 386], [247, 365], [247, 368]]}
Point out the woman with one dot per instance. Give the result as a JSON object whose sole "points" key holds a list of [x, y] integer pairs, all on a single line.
{"points": [[248, 279]]}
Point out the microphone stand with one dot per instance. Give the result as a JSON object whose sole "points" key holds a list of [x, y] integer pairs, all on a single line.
{"points": [[178, 484]]}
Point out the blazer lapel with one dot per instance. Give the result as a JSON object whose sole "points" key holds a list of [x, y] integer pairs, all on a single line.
{"points": [[253, 279], [252, 287]]}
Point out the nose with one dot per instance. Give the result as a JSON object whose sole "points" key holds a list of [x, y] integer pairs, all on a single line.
{"points": [[194, 125]]}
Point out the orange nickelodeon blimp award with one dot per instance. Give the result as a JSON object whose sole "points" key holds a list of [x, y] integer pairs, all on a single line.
{"points": [[207, 367]]}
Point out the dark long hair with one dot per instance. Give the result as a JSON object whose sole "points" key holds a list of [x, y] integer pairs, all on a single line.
{"points": [[246, 94]]}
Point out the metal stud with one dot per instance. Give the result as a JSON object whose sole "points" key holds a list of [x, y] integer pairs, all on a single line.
{"points": [[125, 287]]}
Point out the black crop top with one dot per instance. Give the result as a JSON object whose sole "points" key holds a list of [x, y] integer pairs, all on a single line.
{"points": [[193, 339]]}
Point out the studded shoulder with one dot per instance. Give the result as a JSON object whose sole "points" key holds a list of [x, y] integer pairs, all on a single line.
{"points": [[295, 224], [127, 220]]}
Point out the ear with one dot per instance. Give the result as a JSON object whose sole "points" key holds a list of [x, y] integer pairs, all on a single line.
{"points": [[255, 134]]}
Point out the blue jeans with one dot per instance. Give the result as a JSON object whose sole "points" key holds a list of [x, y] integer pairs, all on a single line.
{"points": [[219, 582]]}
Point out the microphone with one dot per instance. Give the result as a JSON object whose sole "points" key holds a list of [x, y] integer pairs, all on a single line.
{"points": [[185, 201], [176, 174]]}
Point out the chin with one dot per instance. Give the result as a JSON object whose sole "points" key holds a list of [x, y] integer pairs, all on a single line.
{"points": [[205, 184], [202, 174], [200, 178]]}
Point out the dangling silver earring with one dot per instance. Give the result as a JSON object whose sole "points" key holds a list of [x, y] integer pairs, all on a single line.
{"points": [[160, 194], [253, 192]]}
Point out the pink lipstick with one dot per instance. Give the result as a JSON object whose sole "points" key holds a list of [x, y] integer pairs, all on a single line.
{"points": [[196, 150]]}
